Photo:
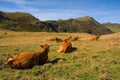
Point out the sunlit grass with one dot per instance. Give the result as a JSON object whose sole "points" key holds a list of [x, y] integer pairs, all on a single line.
{"points": [[93, 60]]}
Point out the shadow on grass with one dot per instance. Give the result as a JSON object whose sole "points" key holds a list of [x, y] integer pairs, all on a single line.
{"points": [[73, 49], [56, 60]]}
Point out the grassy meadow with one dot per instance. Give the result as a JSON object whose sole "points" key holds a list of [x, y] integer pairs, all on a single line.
{"points": [[93, 60]]}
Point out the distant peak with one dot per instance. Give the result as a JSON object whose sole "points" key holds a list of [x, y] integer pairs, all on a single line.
{"points": [[85, 18], [88, 17]]}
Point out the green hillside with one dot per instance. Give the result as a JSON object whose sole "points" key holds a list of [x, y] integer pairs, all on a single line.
{"points": [[84, 24], [113, 26], [19, 21]]}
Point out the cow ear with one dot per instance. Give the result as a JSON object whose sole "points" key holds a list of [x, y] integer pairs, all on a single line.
{"points": [[42, 46], [65, 40], [47, 45]]}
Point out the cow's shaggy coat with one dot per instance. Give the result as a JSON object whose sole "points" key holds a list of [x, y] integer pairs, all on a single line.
{"points": [[66, 47], [29, 59]]}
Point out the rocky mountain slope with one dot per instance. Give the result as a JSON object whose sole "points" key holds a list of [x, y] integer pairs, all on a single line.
{"points": [[19, 21]]}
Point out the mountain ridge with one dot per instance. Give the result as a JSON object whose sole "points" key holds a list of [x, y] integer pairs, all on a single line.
{"points": [[115, 27], [19, 21]]}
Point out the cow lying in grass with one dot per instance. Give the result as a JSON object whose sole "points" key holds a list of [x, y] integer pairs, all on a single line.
{"points": [[29, 59], [92, 38], [116, 39], [66, 47], [72, 38], [56, 39]]}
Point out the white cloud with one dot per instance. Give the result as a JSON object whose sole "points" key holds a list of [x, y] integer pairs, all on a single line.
{"points": [[48, 13]]}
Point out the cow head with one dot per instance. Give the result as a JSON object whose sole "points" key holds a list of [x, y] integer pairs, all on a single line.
{"points": [[45, 47], [66, 40], [10, 60]]}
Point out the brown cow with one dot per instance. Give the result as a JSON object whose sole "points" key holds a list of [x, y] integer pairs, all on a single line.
{"points": [[29, 59], [72, 38], [66, 47], [56, 39], [116, 39], [5, 33], [92, 38]]}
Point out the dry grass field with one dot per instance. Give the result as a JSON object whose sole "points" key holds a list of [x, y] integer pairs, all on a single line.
{"points": [[93, 60]]}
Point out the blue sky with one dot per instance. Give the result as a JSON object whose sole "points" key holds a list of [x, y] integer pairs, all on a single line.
{"points": [[101, 10]]}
